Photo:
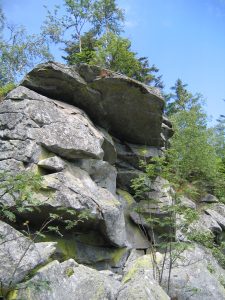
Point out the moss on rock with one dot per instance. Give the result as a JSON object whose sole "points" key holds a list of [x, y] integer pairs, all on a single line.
{"points": [[142, 263]]}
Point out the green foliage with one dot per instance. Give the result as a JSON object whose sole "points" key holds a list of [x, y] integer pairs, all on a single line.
{"points": [[219, 145], [114, 52], [142, 184], [181, 99], [93, 28], [19, 51], [222, 281], [88, 48], [211, 268], [204, 238], [107, 17], [219, 140], [16, 193], [163, 227], [19, 194], [5, 89], [69, 272], [193, 156], [94, 15]]}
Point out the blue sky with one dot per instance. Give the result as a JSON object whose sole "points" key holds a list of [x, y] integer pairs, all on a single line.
{"points": [[184, 38]]}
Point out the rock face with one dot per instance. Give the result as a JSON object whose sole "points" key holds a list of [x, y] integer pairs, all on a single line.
{"points": [[69, 280], [196, 275], [58, 127], [138, 282], [113, 101], [19, 255], [58, 123], [85, 130]]}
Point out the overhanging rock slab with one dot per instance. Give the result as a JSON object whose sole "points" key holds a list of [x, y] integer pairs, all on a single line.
{"points": [[125, 107]]}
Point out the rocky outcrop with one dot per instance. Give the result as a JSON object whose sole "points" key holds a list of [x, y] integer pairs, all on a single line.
{"points": [[126, 108], [84, 130]]}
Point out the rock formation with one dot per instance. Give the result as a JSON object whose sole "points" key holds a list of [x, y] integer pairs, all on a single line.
{"points": [[85, 133]]}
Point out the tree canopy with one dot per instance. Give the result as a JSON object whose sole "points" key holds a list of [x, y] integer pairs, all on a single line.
{"points": [[94, 29], [193, 154], [80, 17], [19, 51]]}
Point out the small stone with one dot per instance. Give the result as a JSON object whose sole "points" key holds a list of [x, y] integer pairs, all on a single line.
{"points": [[209, 198], [54, 163]]}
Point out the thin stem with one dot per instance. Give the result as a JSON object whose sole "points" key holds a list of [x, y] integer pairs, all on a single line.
{"points": [[163, 266]]}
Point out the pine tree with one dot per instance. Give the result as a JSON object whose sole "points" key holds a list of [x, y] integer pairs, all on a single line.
{"points": [[192, 156]]}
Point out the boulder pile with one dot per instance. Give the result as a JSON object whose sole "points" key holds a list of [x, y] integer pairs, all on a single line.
{"points": [[84, 130]]}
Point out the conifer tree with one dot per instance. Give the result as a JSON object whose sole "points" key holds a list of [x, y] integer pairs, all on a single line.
{"points": [[192, 155]]}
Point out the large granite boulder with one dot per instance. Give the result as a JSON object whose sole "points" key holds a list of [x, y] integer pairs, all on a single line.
{"points": [[126, 108], [217, 212], [205, 223], [74, 189], [91, 249], [70, 281], [195, 274], [209, 198], [29, 120]]}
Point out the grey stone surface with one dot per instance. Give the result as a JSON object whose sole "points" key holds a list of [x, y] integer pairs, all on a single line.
{"points": [[36, 120], [111, 274], [89, 248], [41, 130], [11, 165], [196, 275], [135, 237], [70, 281], [110, 154], [19, 255], [205, 223], [167, 131], [132, 154], [138, 282], [155, 205], [134, 255], [102, 173], [75, 189], [208, 198], [125, 177], [161, 185], [187, 203], [217, 215], [53, 163], [113, 101]]}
